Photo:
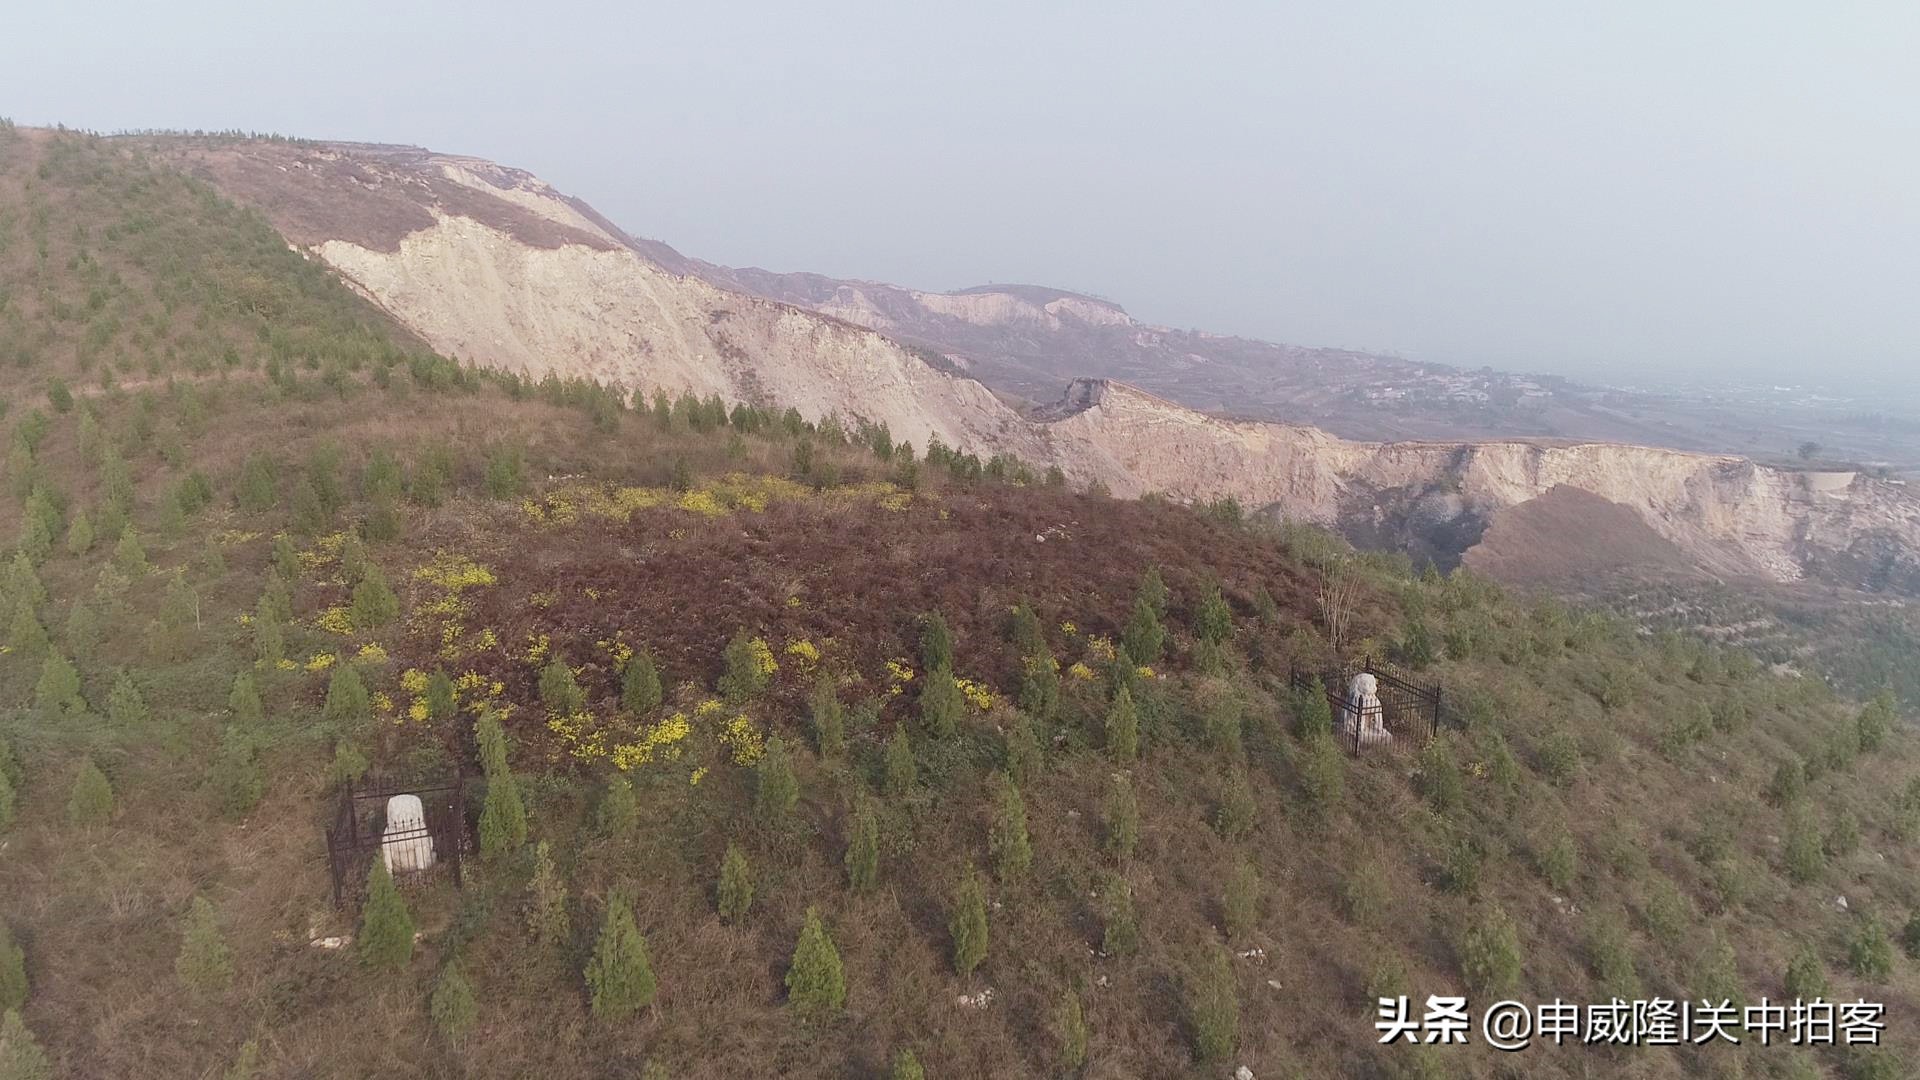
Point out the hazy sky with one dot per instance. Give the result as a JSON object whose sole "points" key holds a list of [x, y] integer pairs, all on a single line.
{"points": [[1636, 186]]}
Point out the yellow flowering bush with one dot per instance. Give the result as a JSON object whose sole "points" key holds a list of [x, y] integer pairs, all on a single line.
{"points": [[580, 733], [699, 774], [541, 600], [382, 701], [373, 653], [414, 681], [899, 674], [805, 654], [1100, 648], [1080, 671], [747, 742], [537, 648], [708, 709], [320, 661], [234, 537], [1068, 628], [453, 572], [664, 741], [701, 502], [1145, 671], [974, 693]]}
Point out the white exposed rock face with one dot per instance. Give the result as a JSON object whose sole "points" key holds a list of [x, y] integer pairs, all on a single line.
{"points": [[543, 284]]}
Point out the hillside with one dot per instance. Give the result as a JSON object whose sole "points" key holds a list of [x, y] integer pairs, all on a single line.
{"points": [[266, 541]]}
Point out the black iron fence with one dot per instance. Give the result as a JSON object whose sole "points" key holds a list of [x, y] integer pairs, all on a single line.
{"points": [[1402, 709], [364, 828]]}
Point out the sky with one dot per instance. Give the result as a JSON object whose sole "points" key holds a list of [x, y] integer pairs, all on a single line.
{"points": [[1640, 188]]}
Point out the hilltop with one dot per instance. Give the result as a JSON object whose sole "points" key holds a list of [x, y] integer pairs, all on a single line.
{"points": [[266, 539]]}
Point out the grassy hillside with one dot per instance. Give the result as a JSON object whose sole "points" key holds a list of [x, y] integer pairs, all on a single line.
{"points": [[265, 542]]}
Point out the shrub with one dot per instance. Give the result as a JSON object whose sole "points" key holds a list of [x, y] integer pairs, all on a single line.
{"points": [[454, 1006], [559, 691], [619, 809], [1070, 1030], [1237, 813], [1363, 895], [1240, 905], [1123, 819], [967, 923], [1123, 728], [941, 705], [1560, 757], [906, 1067], [7, 799], [547, 918], [1869, 951], [205, 963], [901, 768], [1213, 1006], [936, 643], [816, 982], [778, 791], [1007, 840], [1440, 779], [733, 893], [349, 762], [13, 971], [1416, 643], [619, 976], [1843, 839], [386, 928], [1910, 937], [1789, 783], [1121, 933], [863, 848], [1490, 953], [1806, 976], [1610, 957], [640, 684], [1460, 869], [90, 801], [374, 604], [1875, 722]]}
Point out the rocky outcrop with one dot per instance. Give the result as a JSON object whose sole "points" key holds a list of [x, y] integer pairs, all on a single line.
{"points": [[493, 266]]}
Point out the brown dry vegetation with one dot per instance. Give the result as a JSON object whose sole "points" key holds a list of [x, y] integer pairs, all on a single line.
{"points": [[1662, 826]]}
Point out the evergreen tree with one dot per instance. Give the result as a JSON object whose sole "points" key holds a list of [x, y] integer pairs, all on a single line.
{"points": [[559, 691], [941, 706], [20, 1055], [1238, 813], [374, 604], [863, 848], [82, 633], [829, 719], [547, 918], [454, 1005], [901, 768], [1807, 976], [968, 923], [1024, 756], [619, 976], [1123, 728], [778, 791], [733, 893], [503, 816], [386, 928], [286, 559], [128, 556], [906, 1067], [1121, 935], [7, 799], [1040, 686], [347, 703], [1070, 1030], [442, 702], [816, 983], [243, 700], [619, 810], [936, 644], [1153, 592], [26, 637], [23, 582], [90, 801], [246, 1064], [640, 684], [13, 968], [349, 763], [180, 606], [1024, 631], [1213, 622], [1240, 906], [80, 534], [1123, 819], [1213, 1006], [125, 706], [1143, 637], [1007, 841], [258, 489], [205, 964], [236, 779], [57, 694], [749, 668]]}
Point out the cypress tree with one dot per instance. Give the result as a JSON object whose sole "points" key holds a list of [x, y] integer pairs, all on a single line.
{"points": [[547, 918], [269, 643], [347, 703], [286, 559], [1123, 819], [386, 928], [559, 691], [901, 768], [1023, 630], [25, 636], [863, 848], [503, 816], [1040, 686], [1213, 1006], [1153, 592], [1240, 906], [968, 923], [236, 777], [454, 1006], [816, 983], [442, 702], [243, 700], [940, 703], [640, 684], [90, 801], [906, 1067], [619, 976], [1007, 841], [1121, 934], [205, 963], [1024, 756], [128, 555], [1070, 1030], [82, 631], [619, 810], [733, 893], [778, 791], [7, 799], [747, 668], [57, 694], [1213, 622], [13, 969], [80, 534], [373, 604], [1237, 813], [829, 718], [936, 643], [1123, 728], [125, 706]]}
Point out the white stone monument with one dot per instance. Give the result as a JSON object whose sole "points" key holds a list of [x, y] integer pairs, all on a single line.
{"points": [[406, 845], [1363, 720]]}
